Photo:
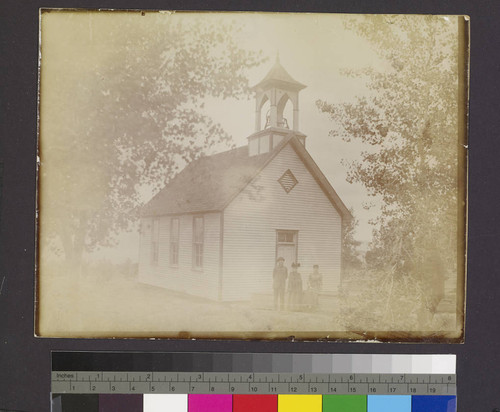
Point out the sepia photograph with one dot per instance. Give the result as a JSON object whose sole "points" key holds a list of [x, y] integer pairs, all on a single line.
{"points": [[242, 175]]}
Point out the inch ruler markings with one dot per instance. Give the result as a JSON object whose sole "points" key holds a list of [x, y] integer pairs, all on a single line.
{"points": [[252, 373], [251, 383]]}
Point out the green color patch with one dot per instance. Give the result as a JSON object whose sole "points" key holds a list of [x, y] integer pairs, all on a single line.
{"points": [[344, 403]]}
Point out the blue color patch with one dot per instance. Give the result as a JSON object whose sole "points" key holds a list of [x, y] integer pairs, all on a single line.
{"points": [[389, 403], [434, 404]]}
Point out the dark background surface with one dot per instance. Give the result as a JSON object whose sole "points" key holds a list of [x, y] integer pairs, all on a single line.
{"points": [[25, 360]]}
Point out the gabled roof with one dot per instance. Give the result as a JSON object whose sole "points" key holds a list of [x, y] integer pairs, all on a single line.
{"points": [[207, 184], [321, 179], [278, 75], [212, 182]]}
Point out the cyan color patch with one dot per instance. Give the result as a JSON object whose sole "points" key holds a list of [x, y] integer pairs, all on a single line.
{"points": [[389, 403]]}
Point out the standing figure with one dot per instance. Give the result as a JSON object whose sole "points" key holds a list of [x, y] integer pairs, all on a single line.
{"points": [[295, 288], [315, 283], [280, 274]]}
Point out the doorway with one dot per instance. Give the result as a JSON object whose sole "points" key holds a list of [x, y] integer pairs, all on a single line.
{"points": [[287, 246]]}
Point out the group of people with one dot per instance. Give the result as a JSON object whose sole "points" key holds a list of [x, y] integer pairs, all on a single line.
{"points": [[294, 288]]}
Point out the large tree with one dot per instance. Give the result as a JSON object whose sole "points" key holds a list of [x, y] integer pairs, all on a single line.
{"points": [[409, 127], [122, 110]]}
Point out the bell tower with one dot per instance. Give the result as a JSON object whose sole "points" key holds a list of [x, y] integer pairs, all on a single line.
{"points": [[277, 87]]}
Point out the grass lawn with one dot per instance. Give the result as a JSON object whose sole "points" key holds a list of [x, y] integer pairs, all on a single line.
{"points": [[92, 306]]}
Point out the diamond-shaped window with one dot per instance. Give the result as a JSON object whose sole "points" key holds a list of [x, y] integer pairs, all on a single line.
{"points": [[288, 181]]}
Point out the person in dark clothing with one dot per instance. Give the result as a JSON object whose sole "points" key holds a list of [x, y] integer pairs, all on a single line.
{"points": [[280, 275], [295, 288]]}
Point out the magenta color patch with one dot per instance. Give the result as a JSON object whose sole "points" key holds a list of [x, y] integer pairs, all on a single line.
{"points": [[210, 403]]}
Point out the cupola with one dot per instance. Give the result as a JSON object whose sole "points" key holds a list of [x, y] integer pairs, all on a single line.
{"points": [[277, 87]]}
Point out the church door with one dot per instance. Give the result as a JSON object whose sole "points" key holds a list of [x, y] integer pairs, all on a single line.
{"points": [[286, 246]]}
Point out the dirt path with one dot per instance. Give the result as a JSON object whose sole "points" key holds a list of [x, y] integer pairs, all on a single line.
{"points": [[89, 306]]}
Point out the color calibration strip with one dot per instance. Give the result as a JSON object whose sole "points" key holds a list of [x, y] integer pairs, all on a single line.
{"points": [[253, 362], [192, 382], [251, 403]]}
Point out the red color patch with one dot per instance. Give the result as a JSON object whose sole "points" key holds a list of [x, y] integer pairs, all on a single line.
{"points": [[255, 403]]}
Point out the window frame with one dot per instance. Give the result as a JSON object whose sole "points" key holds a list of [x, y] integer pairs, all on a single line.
{"points": [[174, 242], [295, 242], [155, 241], [292, 177], [198, 246]]}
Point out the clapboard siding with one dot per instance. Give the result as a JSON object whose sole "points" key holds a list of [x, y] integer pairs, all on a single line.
{"points": [[182, 278], [251, 221]]}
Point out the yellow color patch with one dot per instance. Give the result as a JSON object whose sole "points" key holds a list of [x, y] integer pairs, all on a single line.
{"points": [[300, 403]]}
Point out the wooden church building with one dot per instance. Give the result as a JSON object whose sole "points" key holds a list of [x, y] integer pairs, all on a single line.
{"points": [[217, 229]]}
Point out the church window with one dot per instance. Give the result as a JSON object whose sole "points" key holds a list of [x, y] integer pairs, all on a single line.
{"points": [[288, 181], [155, 241], [198, 242], [174, 242]]}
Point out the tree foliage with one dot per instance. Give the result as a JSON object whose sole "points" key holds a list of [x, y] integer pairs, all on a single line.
{"points": [[122, 110], [408, 125], [351, 259]]}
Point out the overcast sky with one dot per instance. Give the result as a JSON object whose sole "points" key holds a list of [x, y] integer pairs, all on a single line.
{"points": [[313, 48]]}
